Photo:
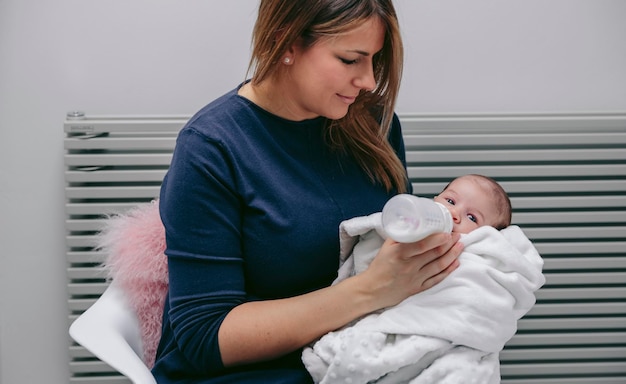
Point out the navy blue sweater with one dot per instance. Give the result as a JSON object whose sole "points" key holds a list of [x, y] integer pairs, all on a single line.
{"points": [[251, 206]]}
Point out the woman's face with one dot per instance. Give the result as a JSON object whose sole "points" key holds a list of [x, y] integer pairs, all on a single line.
{"points": [[325, 78]]}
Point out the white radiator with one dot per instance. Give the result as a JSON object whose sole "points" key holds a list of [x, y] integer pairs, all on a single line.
{"points": [[566, 175], [111, 164]]}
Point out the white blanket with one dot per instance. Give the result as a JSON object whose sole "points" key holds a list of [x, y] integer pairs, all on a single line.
{"points": [[451, 333]]}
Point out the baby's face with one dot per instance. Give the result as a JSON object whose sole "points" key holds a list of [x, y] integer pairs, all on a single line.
{"points": [[469, 204]]}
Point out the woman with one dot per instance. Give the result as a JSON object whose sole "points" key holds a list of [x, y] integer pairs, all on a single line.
{"points": [[259, 182]]}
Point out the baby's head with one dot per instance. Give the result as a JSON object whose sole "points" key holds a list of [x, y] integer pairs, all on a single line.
{"points": [[475, 201]]}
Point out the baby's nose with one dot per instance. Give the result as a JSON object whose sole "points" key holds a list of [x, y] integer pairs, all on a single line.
{"points": [[455, 214]]}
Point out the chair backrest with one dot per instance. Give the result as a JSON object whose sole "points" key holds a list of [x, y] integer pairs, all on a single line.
{"points": [[110, 330]]}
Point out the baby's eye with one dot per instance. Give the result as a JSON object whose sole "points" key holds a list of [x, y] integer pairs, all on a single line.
{"points": [[449, 201], [472, 218]]}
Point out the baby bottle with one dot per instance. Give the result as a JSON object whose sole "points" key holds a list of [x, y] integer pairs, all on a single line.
{"points": [[407, 218]]}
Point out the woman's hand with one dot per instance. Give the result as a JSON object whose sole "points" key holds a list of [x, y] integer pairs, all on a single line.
{"points": [[400, 270]]}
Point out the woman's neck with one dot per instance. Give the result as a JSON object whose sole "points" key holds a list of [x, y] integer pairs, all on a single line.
{"points": [[272, 97]]}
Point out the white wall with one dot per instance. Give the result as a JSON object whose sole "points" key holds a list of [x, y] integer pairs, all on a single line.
{"points": [[514, 55], [171, 57]]}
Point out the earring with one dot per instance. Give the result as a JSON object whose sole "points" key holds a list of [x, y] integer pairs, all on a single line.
{"points": [[287, 60]]}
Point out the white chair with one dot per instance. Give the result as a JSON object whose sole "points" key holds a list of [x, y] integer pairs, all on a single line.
{"points": [[110, 330]]}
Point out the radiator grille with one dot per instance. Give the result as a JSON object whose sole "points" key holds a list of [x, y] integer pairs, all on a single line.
{"points": [[111, 164], [566, 175]]}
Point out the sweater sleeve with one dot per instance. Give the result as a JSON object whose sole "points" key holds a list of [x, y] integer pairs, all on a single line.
{"points": [[200, 211]]}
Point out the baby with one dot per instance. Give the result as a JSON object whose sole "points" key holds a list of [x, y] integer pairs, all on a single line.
{"points": [[475, 201], [453, 331]]}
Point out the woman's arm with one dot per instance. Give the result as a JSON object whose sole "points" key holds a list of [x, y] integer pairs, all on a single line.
{"points": [[256, 331]]}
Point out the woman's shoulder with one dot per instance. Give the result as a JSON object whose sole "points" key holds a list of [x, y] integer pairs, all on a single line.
{"points": [[220, 116]]}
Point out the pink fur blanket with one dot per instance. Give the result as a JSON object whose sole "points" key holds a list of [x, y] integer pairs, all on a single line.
{"points": [[134, 244]]}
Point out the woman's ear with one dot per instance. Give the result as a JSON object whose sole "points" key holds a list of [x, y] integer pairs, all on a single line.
{"points": [[288, 56], [292, 53]]}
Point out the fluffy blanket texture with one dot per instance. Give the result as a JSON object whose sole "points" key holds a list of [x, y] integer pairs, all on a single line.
{"points": [[134, 244], [451, 333]]}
